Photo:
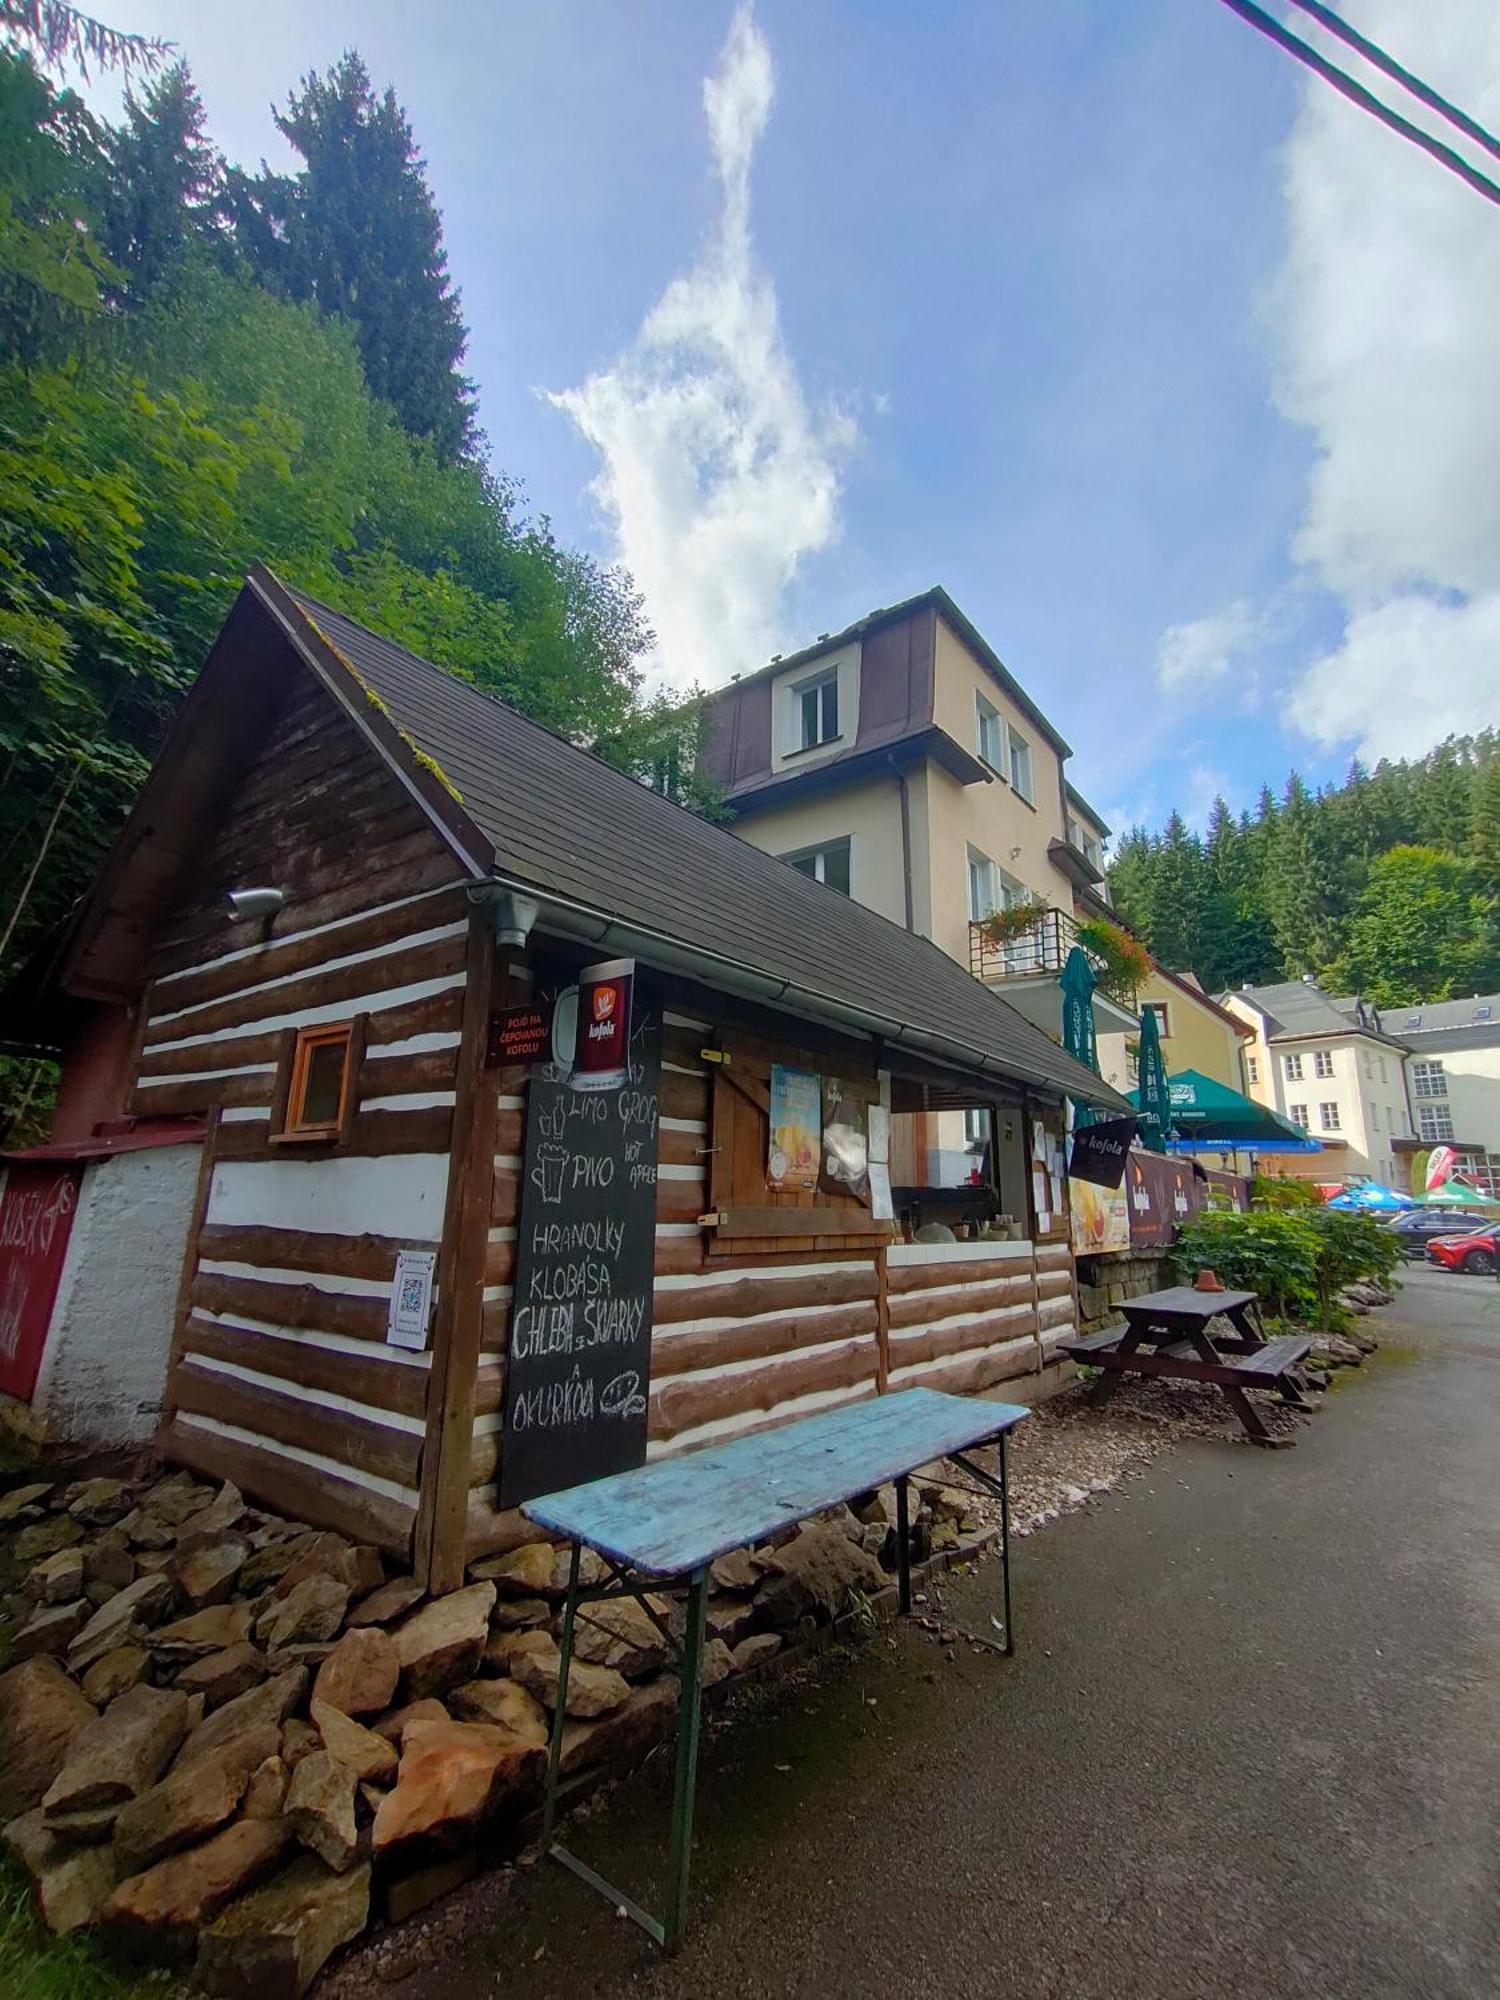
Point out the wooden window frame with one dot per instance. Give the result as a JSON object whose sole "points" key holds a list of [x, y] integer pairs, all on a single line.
{"points": [[292, 1073]]}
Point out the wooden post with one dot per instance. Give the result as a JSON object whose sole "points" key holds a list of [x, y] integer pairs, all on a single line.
{"points": [[438, 1541], [189, 1271], [882, 1324]]}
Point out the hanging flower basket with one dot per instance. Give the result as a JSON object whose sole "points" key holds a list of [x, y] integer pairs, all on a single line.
{"points": [[1123, 961], [1003, 927]]}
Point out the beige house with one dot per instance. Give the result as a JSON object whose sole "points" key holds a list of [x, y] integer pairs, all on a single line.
{"points": [[901, 762], [1332, 1067], [1453, 1082], [1196, 1032]]}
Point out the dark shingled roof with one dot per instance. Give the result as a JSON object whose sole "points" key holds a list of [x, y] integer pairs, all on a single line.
{"points": [[568, 825]]}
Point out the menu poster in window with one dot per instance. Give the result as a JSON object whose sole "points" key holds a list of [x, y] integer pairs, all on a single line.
{"points": [[796, 1130], [845, 1141], [578, 1369]]}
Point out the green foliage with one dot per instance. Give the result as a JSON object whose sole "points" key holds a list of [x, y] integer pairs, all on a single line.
{"points": [[1423, 928], [164, 183], [61, 34], [1124, 964], [1283, 1191], [1296, 1256], [1306, 884], [34, 1965]]}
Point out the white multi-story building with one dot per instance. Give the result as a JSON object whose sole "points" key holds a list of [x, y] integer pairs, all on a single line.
{"points": [[1453, 1081], [1332, 1067]]}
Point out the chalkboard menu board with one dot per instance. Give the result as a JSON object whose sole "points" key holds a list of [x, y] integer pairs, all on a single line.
{"points": [[578, 1370]]}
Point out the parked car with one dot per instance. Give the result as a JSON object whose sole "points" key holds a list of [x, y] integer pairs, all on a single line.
{"points": [[1476, 1253], [1417, 1228]]}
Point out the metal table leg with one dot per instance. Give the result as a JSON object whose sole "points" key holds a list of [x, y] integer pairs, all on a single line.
{"points": [[903, 1546], [1010, 1617], [559, 1714], [689, 1716]]}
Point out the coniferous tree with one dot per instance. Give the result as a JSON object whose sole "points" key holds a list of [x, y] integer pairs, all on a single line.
{"points": [[1484, 829], [165, 181], [358, 233]]}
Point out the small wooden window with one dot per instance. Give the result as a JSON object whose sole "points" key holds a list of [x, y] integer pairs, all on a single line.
{"points": [[320, 1070]]}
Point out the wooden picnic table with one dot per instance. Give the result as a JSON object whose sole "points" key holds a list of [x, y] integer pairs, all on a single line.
{"points": [[659, 1527], [1167, 1333]]}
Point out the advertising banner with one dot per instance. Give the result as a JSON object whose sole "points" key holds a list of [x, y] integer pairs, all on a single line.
{"points": [[36, 1219], [796, 1129]]}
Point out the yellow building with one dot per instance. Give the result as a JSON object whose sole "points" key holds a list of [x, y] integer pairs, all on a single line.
{"points": [[1196, 1033]]}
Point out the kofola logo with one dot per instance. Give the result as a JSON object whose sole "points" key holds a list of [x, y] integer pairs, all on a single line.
{"points": [[603, 1023]]}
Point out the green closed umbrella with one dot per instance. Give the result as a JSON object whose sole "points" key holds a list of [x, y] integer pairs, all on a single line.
{"points": [[1151, 1092], [1077, 982]]}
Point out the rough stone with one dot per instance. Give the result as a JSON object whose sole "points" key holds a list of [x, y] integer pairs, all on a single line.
{"points": [[147, 1531], [121, 1621], [312, 1611], [277, 1939], [299, 1739], [118, 1754], [360, 1674], [370, 1757], [97, 1502], [453, 1777], [521, 1614], [504, 1703], [389, 1602], [272, 1702], [754, 1651], [622, 1635], [51, 1629], [730, 1618], [428, 1709], [210, 1524], [23, 1503], [45, 1538], [182, 1893], [220, 1677], [176, 1497], [877, 1509], [57, 1579], [108, 1562], [355, 1565], [191, 1803], [592, 1569], [68, 1884], [625, 1733], [413, 1891], [736, 1571], [591, 1690], [270, 1561], [816, 1573], [504, 1649], [203, 1633], [209, 1574], [443, 1643], [523, 1572], [718, 1663], [117, 1672], [266, 1792], [320, 1806]]}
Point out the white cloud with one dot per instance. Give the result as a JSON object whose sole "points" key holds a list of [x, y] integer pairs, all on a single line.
{"points": [[717, 478], [1407, 674], [1386, 310], [1193, 658]]}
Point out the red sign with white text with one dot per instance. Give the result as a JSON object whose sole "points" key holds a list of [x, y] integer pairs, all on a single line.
{"points": [[36, 1219]]}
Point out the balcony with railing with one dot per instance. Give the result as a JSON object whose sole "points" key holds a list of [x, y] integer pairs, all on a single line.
{"points": [[1033, 956]]}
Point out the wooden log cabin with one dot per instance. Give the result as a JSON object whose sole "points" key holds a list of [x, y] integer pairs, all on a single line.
{"points": [[346, 881]]}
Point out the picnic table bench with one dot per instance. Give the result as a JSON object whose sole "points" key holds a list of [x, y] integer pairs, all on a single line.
{"points": [[659, 1527], [1167, 1333]]}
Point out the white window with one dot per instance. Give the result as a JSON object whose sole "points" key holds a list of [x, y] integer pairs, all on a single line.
{"points": [[1163, 1018], [828, 863], [1298, 1114], [991, 734], [1328, 1117], [1428, 1080], [976, 1128], [1374, 1117], [1434, 1121], [1323, 1062], [1252, 1069], [1293, 1068], [817, 710], [1380, 1065], [1020, 765], [1369, 1063], [984, 886]]}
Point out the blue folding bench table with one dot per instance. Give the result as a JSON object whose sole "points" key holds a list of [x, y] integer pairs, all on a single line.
{"points": [[658, 1528]]}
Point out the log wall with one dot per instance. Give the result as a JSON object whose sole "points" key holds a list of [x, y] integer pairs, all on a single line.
{"points": [[281, 1378]]}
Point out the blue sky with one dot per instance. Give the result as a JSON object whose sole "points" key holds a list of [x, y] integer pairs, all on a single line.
{"points": [[1098, 315]]}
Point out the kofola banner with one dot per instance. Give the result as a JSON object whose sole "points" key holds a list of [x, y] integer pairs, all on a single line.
{"points": [[1100, 1151]]}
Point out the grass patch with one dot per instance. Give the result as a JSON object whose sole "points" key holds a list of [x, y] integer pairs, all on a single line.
{"points": [[34, 1965]]}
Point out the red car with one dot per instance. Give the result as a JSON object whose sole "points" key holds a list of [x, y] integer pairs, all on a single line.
{"points": [[1476, 1254]]}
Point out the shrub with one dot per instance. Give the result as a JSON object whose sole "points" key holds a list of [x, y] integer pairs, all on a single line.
{"points": [[1298, 1259], [1281, 1191]]}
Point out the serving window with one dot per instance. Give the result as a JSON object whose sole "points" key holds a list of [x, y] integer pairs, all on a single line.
{"points": [[316, 1095], [798, 1152]]}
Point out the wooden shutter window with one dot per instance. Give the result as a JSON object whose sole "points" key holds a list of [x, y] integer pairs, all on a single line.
{"points": [[320, 1066]]}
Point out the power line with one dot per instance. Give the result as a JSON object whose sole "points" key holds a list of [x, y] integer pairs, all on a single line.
{"points": [[1377, 57], [1356, 93]]}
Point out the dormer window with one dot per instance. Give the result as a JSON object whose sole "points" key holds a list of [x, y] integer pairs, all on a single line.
{"points": [[816, 710]]}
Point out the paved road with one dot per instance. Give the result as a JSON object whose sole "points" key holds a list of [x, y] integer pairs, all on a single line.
{"points": [[1251, 1746]]}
